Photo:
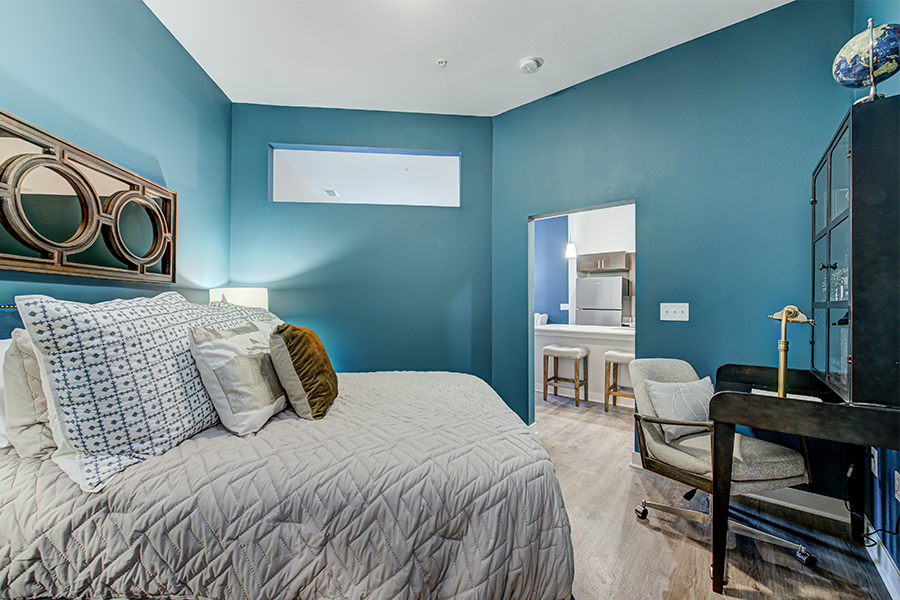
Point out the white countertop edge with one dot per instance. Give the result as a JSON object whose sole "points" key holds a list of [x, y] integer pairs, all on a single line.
{"points": [[595, 331]]}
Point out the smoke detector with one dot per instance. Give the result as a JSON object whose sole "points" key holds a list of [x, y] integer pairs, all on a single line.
{"points": [[530, 64]]}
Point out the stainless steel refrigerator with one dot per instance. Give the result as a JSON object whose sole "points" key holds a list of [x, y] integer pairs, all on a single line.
{"points": [[600, 300]]}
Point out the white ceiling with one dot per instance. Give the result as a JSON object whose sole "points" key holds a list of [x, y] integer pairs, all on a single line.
{"points": [[382, 54]]}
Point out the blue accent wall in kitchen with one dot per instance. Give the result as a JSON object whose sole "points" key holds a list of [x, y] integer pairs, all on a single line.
{"points": [[551, 268], [109, 77], [385, 287], [718, 159]]}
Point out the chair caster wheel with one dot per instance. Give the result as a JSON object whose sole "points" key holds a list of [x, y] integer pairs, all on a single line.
{"points": [[806, 558], [641, 511]]}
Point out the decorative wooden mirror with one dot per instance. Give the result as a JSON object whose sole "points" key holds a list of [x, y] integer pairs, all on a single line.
{"points": [[59, 199]]}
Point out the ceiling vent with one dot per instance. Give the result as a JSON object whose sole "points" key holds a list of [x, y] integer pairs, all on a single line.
{"points": [[332, 193]]}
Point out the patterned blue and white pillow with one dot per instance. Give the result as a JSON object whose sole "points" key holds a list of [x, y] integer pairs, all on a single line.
{"points": [[119, 378]]}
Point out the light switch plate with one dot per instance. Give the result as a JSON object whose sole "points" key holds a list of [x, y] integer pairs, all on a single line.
{"points": [[563, 307], [674, 311]]}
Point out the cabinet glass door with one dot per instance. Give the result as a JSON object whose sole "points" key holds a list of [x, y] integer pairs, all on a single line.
{"points": [[820, 189], [840, 176], [820, 339], [839, 346], [831, 269], [822, 271], [839, 267]]}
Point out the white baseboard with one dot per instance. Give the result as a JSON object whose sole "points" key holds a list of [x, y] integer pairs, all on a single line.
{"points": [[636, 460], [822, 506], [888, 570], [595, 396]]}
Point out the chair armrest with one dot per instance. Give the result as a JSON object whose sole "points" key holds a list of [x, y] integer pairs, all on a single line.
{"points": [[640, 417]]}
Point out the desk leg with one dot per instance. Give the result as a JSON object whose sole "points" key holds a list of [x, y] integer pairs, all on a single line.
{"points": [[856, 455], [723, 454]]}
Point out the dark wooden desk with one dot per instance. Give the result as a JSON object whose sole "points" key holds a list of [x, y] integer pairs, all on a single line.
{"points": [[832, 419]]}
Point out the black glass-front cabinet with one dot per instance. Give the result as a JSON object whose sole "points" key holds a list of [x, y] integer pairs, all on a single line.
{"points": [[856, 251]]}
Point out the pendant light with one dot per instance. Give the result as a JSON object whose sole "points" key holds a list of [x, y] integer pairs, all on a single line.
{"points": [[570, 249]]}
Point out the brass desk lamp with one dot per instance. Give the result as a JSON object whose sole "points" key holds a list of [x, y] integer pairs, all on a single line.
{"points": [[792, 314]]}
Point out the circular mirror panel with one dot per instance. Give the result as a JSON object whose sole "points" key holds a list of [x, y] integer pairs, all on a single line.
{"points": [[136, 228], [131, 245], [50, 204]]}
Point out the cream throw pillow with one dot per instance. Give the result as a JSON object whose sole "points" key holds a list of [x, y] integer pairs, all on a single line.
{"points": [[4, 442], [684, 401], [236, 369], [25, 403]]}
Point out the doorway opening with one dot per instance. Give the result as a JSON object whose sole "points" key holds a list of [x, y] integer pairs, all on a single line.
{"points": [[585, 301]]}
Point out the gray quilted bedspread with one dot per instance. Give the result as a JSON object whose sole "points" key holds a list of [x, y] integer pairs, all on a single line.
{"points": [[415, 485]]}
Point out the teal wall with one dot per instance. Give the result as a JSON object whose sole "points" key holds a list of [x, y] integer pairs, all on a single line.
{"points": [[385, 287], [715, 140], [109, 77]]}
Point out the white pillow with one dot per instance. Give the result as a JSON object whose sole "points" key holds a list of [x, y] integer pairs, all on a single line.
{"points": [[25, 403], [4, 441], [684, 401], [237, 371], [120, 382]]}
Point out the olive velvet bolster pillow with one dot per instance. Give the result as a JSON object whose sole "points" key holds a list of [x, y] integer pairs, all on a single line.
{"points": [[303, 369]]}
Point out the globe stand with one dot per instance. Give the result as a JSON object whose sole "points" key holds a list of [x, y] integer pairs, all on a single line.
{"points": [[872, 94]]}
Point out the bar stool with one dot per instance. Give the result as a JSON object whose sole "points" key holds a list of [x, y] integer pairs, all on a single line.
{"points": [[615, 358], [578, 353]]}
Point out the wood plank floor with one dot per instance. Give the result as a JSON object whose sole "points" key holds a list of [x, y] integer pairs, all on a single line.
{"points": [[666, 557]]}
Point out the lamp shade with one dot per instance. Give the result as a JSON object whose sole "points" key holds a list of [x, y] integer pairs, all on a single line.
{"points": [[571, 252], [245, 296]]}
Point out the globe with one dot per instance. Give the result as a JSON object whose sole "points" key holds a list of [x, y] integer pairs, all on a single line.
{"points": [[851, 65]]}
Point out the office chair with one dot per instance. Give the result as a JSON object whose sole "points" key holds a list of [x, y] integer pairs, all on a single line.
{"points": [[758, 465]]}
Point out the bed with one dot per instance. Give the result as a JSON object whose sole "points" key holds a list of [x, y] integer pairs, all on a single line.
{"points": [[415, 485]]}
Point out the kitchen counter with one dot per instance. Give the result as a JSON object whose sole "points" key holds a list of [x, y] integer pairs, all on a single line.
{"points": [[581, 330], [598, 339]]}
